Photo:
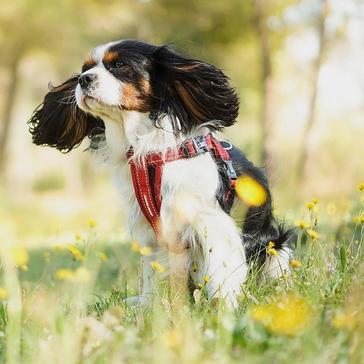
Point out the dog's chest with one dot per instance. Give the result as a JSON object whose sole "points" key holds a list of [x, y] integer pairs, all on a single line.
{"points": [[195, 178]]}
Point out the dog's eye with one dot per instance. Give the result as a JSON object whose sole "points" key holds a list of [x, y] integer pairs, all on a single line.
{"points": [[119, 64]]}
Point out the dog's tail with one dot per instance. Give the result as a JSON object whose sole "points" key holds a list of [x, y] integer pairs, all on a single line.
{"points": [[260, 227]]}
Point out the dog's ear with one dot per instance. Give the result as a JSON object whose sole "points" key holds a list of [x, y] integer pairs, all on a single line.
{"points": [[192, 92], [58, 122]]}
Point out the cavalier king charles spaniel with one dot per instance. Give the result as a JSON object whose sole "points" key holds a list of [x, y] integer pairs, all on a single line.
{"points": [[143, 103]]}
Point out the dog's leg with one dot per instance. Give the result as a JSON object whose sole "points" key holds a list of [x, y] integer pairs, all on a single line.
{"points": [[218, 262], [148, 283]]}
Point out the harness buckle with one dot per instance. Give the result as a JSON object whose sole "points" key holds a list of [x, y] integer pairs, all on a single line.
{"points": [[200, 144], [230, 169]]}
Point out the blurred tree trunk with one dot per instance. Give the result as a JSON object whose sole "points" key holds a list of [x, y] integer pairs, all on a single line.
{"points": [[304, 152], [9, 102], [266, 82]]}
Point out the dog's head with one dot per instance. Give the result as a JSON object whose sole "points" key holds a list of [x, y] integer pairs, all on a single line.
{"points": [[134, 76]]}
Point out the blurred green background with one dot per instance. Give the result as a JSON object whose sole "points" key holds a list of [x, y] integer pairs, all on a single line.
{"points": [[297, 65]]}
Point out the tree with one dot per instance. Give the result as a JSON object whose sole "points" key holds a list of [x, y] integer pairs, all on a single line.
{"points": [[304, 151], [266, 81]]}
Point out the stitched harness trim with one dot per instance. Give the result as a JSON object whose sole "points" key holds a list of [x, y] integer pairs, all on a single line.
{"points": [[146, 176]]}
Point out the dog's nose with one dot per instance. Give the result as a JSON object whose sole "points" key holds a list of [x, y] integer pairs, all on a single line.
{"points": [[86, 79]]}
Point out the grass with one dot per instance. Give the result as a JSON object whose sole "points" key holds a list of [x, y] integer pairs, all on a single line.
{"points": [[314, 316]]}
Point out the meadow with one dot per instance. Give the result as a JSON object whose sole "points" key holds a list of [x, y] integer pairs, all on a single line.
{"points": [[66, 262], [62, 302]]}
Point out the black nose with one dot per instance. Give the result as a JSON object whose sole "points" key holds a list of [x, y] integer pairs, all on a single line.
{"points": [[85, 80]]}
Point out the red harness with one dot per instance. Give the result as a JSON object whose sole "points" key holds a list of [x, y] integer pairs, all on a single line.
{"points": [[146, 175]]}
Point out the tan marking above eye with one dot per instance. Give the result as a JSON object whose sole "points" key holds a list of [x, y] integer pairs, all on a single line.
{"points": [[90, 61], [110, 56]]}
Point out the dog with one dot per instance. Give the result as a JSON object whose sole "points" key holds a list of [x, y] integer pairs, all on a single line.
{"points": [[157, 112]]}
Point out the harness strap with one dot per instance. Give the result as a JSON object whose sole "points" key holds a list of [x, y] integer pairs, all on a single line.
{"points": [[147, 175]]}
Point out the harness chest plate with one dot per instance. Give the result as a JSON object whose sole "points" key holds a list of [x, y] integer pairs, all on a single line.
{"points": [[146, 176]]}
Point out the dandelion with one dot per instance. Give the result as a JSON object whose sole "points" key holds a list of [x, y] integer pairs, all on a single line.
{"points": [[59, 248], [64, 274], [80, 275], [157, 266], [3, 294], [314, 235], [78, 237], [18, 255], [359, 219], [75, 252], [295, 263], [360, 186], [270, 249], [91, 223], [286, 315], [250, 191], [315, 201], [206, 279], [310, 205], [145, 251], [102, 256], [302, 224], [135, 247], [343, 320]]}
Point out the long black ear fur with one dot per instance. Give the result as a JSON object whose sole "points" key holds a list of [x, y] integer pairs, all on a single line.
{"points": [[58, 122], [191, 92]]}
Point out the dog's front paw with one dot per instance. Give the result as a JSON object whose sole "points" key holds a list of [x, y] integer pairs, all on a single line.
{"points": [[138, 301]]}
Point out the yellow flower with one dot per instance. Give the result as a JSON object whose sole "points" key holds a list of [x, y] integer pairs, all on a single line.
{"points": [[271, 245], [145, 250], [103, 257], [3, 293], [343, 320], [315, 201], [272, 251], [302, 224], [295, 263], [359, 219], [18, 255], [78, 237], [310, 205], [286, 315], [80, 275], [250, 191], [135, 246], [206, 279], [75, 252], [360, 186], [157, 267], [91, 223], [64, 274], [59, 248], [314, 235]]}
